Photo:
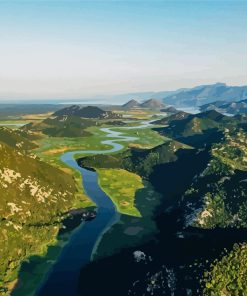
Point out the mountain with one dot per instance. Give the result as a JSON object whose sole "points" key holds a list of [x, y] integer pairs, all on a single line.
{"points": [[217, 196], [131, 104], [18, 139], [35, 197], [169, 110], [197, 129], [152, 104], [212, 106], [140, 96], [149, 104], [87, 112], [135, 160], [205, 94], [62, 126], [193, 124], [177, 116], [230, 108]]}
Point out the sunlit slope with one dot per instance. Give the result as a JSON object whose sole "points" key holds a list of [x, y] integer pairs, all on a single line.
{"points": [[18, 139], [34, 198]]}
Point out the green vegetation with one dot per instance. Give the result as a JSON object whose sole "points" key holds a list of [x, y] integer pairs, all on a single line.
{"points": [[121, 186], [132, 230], [62, 126], [233, 151], [214, 197], [140, 161], [17, 139], [147, 138], [38, 189], [86, 112], [228, 276], [35, 197], [183, 126]]}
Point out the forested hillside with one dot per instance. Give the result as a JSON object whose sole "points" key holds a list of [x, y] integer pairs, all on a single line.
{"points": [[35, 197]]}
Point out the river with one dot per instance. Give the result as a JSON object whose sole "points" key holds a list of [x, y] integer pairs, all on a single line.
{"points": [[62, 279]]}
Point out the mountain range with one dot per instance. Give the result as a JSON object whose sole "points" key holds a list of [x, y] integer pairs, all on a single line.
{"points": [[230, 108], [149, 104], [205, 94], [218, 96], [197, 130]]}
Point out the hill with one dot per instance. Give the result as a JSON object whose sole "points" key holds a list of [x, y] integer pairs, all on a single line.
{"points": [[217, 195], [149, 104], [131, 104], [34, 199], [17, 138], [177, 116], [197, 129], [239, 107], [205, 94], [135, 160], [62, 126], [152, 104], [169, 110], [87, 112]]}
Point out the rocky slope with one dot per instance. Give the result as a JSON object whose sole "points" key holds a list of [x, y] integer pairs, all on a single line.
{"points": [[34, 199]]}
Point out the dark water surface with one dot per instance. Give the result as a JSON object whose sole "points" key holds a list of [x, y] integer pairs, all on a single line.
{"points": [[62, 279]]}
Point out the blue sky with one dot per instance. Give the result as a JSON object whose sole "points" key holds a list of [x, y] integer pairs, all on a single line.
{"points": [[76, 49]]}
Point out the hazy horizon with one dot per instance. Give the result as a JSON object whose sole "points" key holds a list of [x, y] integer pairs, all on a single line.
{"points": [[77, 50]]}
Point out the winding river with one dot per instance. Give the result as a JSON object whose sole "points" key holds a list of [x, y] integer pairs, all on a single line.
{"points": [[63, 276]]}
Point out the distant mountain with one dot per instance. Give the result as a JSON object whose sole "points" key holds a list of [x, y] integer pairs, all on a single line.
{"points": [[231, 108], [140, 96], [212, 106], [169, 110], [131, 104], [152, 104], [87, 112], [205, 94], [149, 104]]}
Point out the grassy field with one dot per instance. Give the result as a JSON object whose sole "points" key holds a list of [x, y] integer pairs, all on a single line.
{"points": [[148, 138], [142, 114], [50, 149], [121, 186]]}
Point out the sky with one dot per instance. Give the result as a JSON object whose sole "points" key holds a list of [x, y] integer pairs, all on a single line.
{"points": [[82, 49]]}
